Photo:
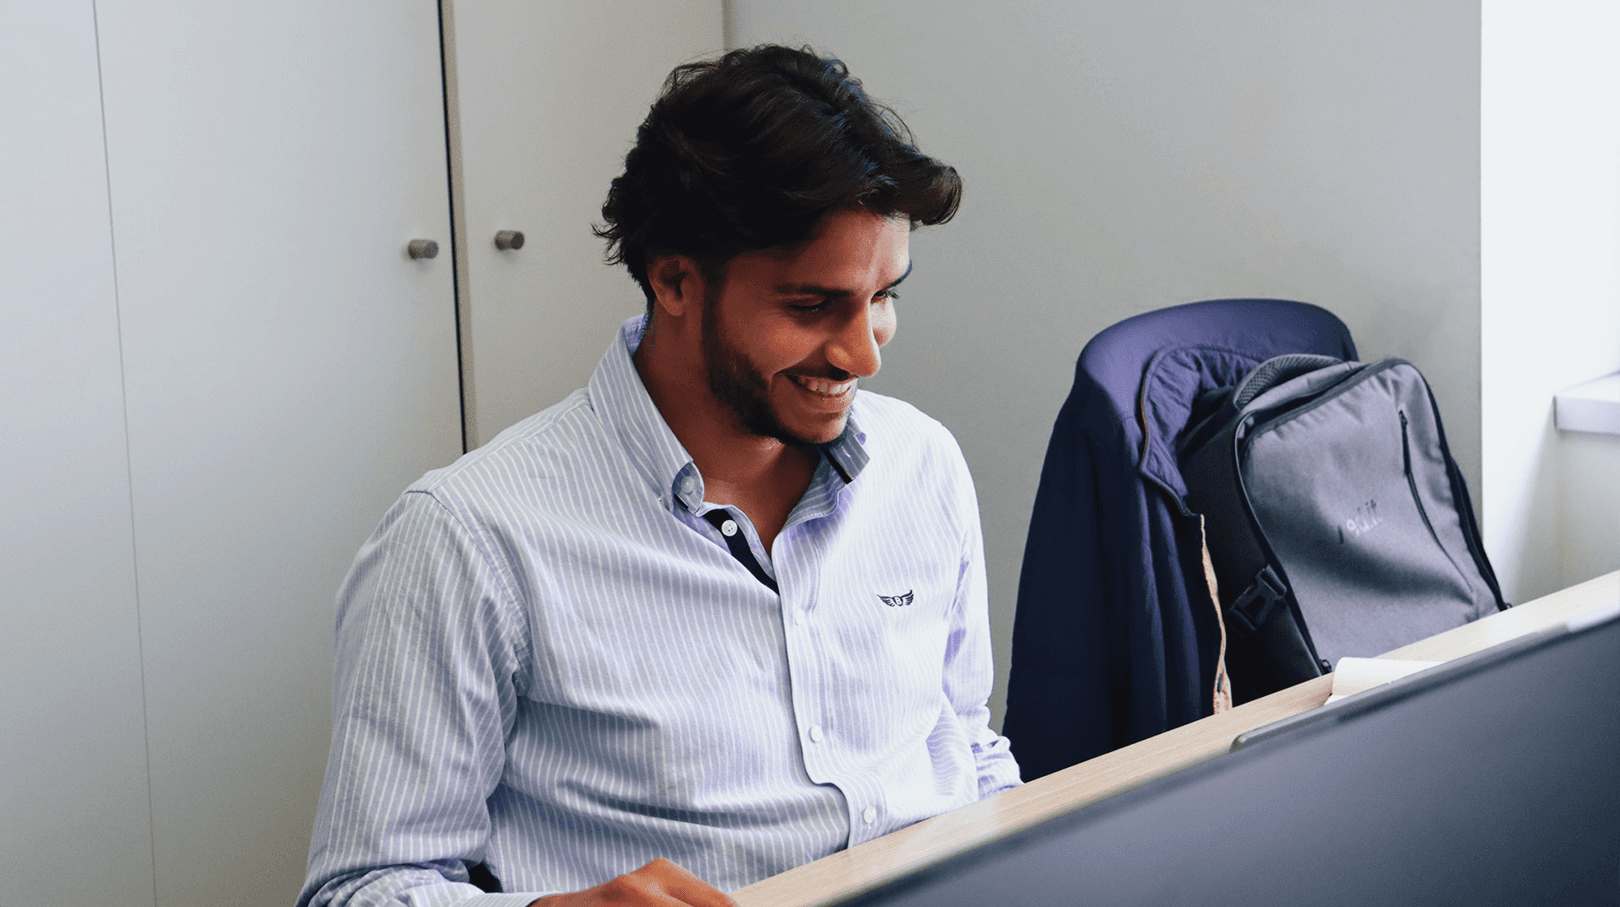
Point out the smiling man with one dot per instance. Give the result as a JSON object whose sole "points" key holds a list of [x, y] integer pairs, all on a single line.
{"points": [[755, 374], [720, 612]]}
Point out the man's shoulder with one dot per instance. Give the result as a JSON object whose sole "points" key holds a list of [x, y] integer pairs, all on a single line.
{"points": [[893, 423], [914, 453], [528, 456], [914, 465]]}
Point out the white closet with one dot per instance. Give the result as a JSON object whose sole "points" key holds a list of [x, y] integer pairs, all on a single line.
{"points": [[547, 99], [73, 789], [220, 366]]}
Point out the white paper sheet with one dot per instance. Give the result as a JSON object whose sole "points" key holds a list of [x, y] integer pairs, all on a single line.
{"points": [[1352, 675]]}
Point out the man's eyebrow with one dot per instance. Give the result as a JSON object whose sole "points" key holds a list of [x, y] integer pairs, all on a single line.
{"points": [[810, 289]]}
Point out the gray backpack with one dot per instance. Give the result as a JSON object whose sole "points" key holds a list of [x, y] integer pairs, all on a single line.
{"points": [[1337, 522]]}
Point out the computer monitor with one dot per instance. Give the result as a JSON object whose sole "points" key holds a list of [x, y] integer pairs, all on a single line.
{"points": [[1492, 781]]}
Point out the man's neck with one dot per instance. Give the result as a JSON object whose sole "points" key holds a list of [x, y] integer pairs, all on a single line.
{"points": [[761, 476]]}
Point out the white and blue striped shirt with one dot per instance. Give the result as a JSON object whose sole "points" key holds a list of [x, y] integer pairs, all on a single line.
{"points": [[549, 662]]}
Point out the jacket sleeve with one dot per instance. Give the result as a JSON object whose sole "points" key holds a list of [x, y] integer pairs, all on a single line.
{"points": [[423, 694], [1063, 703], [1109, 646]]}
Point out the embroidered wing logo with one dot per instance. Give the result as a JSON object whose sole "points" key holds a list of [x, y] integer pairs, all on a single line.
{"points": [[897, 601]]}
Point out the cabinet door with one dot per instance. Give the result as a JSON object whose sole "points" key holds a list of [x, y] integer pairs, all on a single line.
{"points": [[548, 96], [289, 369], [74, 820]]}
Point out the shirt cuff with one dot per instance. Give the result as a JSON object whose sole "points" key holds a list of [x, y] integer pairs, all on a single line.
{"points": [[505, 899]]}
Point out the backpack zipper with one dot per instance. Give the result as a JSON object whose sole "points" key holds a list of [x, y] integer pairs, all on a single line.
{"points": [[1417, 500]]}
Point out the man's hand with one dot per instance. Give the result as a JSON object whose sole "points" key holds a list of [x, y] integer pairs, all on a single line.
{"points": [[659, 883]]}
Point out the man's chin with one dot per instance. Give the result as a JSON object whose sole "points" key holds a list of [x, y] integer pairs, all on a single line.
{"points": [[796, 426], [804, 433], [817, 436]]}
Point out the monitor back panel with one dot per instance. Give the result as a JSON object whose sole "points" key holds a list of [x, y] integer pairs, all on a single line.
{"points": [[1499, 785]]}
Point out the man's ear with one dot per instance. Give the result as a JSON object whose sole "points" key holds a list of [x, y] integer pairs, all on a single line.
{"points": [[676, 283]]}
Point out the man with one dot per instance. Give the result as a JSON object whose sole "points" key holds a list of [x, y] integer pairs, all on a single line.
{"points": [[716, 614]]}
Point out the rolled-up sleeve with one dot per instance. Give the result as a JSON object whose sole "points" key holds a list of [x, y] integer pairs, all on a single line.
{"points": [[423, 698]]}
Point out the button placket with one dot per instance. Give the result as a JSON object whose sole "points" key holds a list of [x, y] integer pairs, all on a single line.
{"points": [[802, 673], [797, 609], [740, 544]]}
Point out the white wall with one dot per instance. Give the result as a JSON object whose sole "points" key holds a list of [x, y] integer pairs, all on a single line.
{"points": [[1550, 193], [1121, 157]]}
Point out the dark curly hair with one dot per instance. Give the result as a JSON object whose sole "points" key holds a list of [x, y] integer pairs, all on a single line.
{"points": [[750, 151]]}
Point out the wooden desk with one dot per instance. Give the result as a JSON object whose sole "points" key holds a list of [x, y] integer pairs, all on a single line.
{"points": [[876, 862]]}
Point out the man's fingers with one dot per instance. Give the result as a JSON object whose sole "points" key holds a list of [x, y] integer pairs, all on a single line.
{"points": [[660, 883], [686, 888]]}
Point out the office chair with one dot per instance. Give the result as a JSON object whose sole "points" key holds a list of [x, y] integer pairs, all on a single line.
{"points": [[1117, 636]]}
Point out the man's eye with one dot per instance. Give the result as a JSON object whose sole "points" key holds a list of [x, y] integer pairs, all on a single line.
{"points": [[888, 294], [809, 308]]}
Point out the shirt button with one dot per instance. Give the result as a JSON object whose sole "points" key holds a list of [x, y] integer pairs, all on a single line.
{"points": [[728, 528], [687, 485], [869, 815], [815, 733]]}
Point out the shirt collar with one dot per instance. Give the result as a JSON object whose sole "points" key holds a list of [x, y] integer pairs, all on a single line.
{"points": [[847, 454], [622, 403]]}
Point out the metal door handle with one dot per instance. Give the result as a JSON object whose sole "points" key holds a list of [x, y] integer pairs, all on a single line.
{"points": [[509, 239], [423, 248]]}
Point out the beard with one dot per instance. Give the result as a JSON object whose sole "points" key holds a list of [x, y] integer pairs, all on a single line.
{"points": [[740, 387]]}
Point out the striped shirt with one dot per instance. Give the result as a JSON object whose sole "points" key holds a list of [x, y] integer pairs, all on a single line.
{"points": [[550, 663]]}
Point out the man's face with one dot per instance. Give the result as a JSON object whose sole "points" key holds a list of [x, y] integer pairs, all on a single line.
{"points": [[789, 332]]}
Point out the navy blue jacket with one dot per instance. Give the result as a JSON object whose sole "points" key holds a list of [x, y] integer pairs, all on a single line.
{"points": [[1116, 638]]}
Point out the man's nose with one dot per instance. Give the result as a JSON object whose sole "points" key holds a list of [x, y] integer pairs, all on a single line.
{"points": [[855, 347]]}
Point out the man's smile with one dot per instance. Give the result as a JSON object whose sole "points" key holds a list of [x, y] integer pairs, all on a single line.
{"points": [[825, 387]]}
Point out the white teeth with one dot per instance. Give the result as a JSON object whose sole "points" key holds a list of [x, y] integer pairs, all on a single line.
{"points": [[824, 387]]}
